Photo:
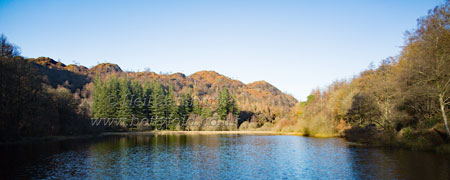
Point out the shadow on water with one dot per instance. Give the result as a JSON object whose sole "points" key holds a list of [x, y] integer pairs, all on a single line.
{"points": [[216, 157], [375, 163]]}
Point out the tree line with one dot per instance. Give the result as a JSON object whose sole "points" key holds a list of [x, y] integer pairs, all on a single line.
{"points": [[405, 100], [152, 103], [30, 106]]}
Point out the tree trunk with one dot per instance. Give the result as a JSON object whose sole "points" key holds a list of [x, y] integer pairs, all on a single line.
{"points": [[444, 116]]}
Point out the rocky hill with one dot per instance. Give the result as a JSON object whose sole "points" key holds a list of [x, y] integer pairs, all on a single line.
{"points": [[258, 101]]}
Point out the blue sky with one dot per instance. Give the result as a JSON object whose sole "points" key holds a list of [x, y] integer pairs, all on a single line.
{"points": [[295, 45]]}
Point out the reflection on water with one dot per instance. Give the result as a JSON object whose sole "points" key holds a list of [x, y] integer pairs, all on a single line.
{"points": [[216, 157]]}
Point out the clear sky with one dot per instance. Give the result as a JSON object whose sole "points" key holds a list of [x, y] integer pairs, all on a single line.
{"points": [[295, 45]]}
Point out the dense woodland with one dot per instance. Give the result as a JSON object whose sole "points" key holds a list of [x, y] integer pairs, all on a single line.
{"points": [[31, 106], [137, 104], [402, 101]]}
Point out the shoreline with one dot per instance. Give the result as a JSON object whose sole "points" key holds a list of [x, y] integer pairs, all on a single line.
{"points": [[33, 140], [164, 132]]}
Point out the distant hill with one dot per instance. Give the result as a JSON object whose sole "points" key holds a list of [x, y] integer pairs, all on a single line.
{"points": [[259, 101]]}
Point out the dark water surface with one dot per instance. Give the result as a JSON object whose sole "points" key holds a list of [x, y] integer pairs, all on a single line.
{"points": [[216, 157]]}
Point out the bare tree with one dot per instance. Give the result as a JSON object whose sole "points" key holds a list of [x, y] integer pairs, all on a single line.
{"points": [[427, 57], [6, 48]]}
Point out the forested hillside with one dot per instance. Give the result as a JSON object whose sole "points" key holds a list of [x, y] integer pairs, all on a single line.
{"points": [[403, 101], [42, 97]]}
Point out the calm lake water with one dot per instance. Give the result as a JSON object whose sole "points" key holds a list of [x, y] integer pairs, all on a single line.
{"points": [[216, 157]]}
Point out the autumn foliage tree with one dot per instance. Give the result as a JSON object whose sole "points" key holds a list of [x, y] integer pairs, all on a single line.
{"points": [[426, 59]]}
